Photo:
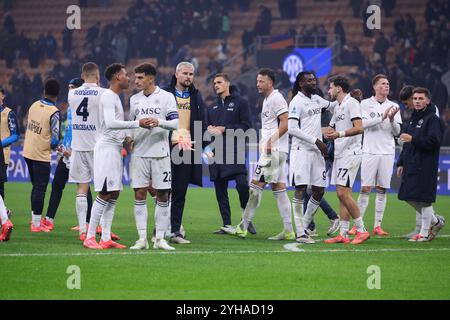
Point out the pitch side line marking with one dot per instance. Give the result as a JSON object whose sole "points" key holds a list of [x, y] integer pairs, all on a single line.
{"points": [[293, 246]]}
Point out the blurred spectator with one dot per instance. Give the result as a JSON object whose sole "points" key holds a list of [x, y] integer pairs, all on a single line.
{"points": [[356, 7], [339, 31], [381, 46], [388, 6], [287, 9], [8, 23], [51, 45]]}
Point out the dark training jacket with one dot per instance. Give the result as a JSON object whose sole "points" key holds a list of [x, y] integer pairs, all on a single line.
{"points": [[232, 113], [420, 158]]}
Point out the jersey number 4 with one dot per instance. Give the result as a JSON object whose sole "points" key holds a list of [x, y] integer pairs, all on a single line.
{"points": [[82, 109]]}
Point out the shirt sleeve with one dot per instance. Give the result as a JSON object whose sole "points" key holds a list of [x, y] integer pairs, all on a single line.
{"points": [[354, 110], [55, 125], [67, 142], [108, 103], [13, 129], [171, 121], [294, 109], [279, 105]]}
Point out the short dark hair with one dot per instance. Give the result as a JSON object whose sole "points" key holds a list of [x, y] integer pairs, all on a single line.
{"points": [[340, 81], [51, 87], [146, 68], [223, 75], [405, 93], [112, 70], [2, 90], [89, 68], [422, 90], [379, 77], [267, 72]]}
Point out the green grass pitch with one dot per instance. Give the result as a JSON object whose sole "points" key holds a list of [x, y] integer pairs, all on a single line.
{"points": [[34, 266]]}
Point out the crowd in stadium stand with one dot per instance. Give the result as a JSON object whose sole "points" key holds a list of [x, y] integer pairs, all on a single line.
{"points": [[177, 26]]}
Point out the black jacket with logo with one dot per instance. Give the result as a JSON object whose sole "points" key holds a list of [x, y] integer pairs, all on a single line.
{"points": [[420, 158], [231, 113]]}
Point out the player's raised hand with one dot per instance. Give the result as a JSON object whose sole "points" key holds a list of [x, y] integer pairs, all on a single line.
{"points": [[392, 113], [386, 113], [185, 143], [322, 147]]}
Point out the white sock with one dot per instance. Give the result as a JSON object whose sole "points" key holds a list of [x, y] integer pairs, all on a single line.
{"points": [[3, 212], [418, 222], [359, 223], [297, 206], [253, 203], [284, 207], [428, 219], [162, 218], [363, 202], [81, 206], [343, 231], [141, 218], [310, 211], [36, 219], [380, 206], [108, 217], [98, 207], [49, 219]]}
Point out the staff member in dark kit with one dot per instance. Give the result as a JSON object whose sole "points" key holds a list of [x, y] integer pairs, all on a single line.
{"points": [[418, 164], [42, 135], [190, 111], [230, 111]]}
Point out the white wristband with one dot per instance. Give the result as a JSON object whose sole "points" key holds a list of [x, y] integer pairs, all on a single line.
{"points": [[341, 134]]}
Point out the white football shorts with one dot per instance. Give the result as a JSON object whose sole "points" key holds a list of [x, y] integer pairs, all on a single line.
{"points": [[271, 169], [154, 171], [345, 170], [81, 168], [108, 168], [307, 168], [377, 170]]}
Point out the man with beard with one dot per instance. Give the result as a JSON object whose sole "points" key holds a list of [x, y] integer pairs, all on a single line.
{"points": [[190, 112], [346, 129], [307, 163]]}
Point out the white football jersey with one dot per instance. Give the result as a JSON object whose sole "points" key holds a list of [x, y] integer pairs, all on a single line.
{"points": [[308, 112], [84, 104], [343, 115], [378, 139], [160, 105], [113, 128], [274, 106]]}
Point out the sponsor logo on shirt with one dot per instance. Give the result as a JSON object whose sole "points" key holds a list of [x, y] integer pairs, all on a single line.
{"points": [[147, 111], [312, 112]]}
